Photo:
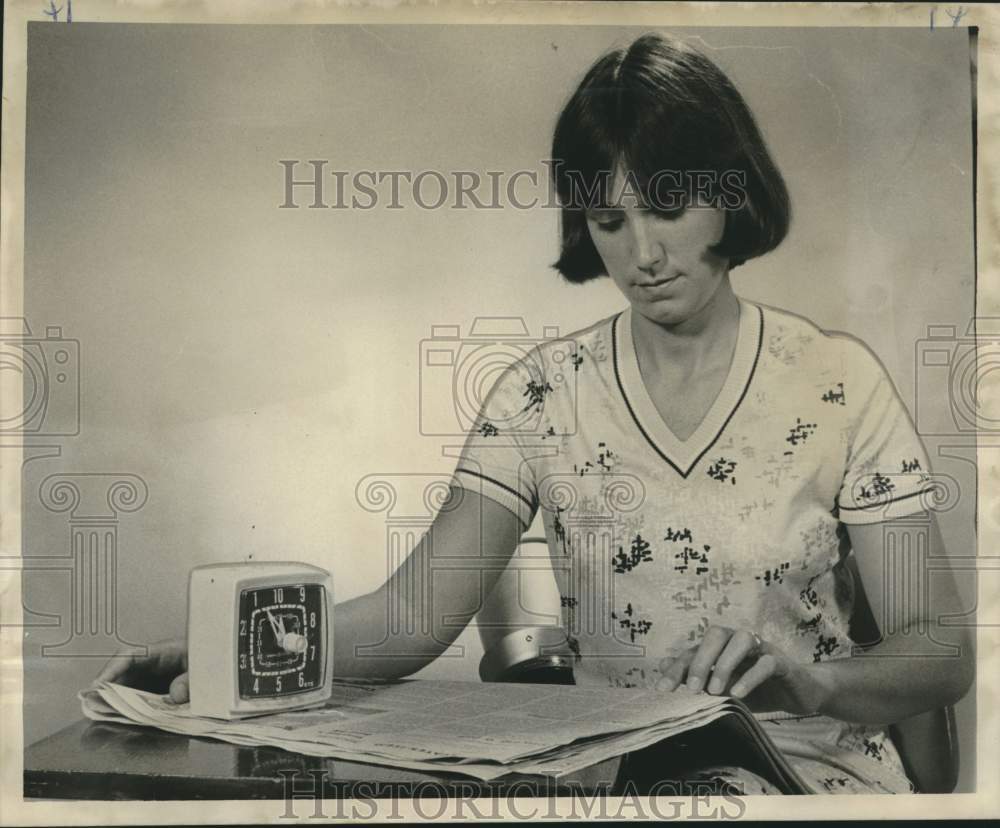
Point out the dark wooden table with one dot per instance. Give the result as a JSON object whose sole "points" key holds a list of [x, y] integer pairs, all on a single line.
{"points": [[104, 761]]}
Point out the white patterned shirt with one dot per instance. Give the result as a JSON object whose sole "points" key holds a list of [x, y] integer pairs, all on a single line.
{"points": [[653, 539]]}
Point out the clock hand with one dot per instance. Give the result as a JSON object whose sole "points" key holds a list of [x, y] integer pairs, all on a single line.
{"points": [[274, 626]]}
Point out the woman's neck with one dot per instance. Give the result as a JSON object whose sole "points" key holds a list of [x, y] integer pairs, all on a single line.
{"points": [[701, 341]]}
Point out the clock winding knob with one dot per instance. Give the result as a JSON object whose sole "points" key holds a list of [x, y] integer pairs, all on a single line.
{"points": [[294, 643]]}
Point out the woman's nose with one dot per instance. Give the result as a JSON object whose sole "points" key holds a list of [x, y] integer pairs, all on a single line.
{"points": [[647, 250]]}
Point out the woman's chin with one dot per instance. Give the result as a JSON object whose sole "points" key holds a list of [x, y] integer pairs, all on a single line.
{"points": [[662, 311]]}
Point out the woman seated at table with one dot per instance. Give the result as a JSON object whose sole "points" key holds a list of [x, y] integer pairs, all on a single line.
{"points": [[740, 451]]}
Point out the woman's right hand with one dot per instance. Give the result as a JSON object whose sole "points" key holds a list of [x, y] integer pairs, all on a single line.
{"points": [[163, 669]]}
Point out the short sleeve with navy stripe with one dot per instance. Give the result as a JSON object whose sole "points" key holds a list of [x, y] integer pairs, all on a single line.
{"points": [[887, 472]]}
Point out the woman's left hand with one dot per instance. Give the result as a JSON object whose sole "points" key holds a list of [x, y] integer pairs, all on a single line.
{"points": [[740, 664]]}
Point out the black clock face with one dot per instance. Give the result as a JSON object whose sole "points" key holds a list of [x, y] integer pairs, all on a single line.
{"points": [[280, 640]]}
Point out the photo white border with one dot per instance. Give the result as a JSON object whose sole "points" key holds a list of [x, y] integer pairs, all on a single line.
{"points": [[15, 810]]}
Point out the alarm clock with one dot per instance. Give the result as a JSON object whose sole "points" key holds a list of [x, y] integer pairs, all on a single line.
{"points": [[260, 638]]}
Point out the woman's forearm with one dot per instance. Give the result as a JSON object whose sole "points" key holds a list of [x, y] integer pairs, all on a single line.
{"points": [[371, 641], [400, 628], [426, 603], [902, 676]]}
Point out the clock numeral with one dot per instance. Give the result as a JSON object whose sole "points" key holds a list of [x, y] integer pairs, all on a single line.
{"points": [[255, 597], [312, 619], [256, 685], [302, 680], [302, 593], [312, 652], [243, 661], [277, 684], [279, 595], [243, 627]]}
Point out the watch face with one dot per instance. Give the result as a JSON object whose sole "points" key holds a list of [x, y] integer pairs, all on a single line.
{"points": [[281, 640]]}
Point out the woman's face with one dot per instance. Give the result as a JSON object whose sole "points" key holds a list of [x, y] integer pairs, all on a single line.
{"points": [[661, 262]]}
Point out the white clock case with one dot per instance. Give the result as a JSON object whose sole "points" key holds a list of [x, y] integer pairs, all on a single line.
{"points": [[213, 616]]}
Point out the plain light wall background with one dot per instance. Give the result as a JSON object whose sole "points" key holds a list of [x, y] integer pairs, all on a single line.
{"points": [[252, 364]]}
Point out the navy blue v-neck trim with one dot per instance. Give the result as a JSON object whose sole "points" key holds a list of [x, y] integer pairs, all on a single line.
{"points": [[684, 473]]}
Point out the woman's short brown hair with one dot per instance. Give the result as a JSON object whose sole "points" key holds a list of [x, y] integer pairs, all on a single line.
{"points": [[659, 106]]}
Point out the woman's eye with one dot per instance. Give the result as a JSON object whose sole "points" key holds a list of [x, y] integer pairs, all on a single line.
{"points": [[608, 222], [669, 214]]}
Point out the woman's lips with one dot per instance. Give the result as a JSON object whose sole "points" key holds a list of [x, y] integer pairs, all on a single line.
{"points": [[658, 282]]}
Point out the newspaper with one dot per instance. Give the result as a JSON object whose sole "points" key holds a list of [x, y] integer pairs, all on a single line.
{"points": [[477, 729]]}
